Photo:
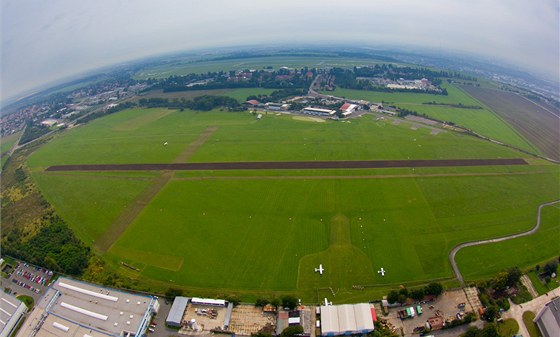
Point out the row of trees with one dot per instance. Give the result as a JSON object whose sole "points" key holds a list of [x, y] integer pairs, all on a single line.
{"points": [[549, 270], [202, 103], [400, 296], [286, 301]]}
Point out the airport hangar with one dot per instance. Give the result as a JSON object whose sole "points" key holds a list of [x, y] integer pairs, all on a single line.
{"points": [[73, 308], [347, 319]]}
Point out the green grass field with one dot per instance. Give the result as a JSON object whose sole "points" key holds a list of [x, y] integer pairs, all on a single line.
{"points": [[482, 121], [526, 251], [266, 231], [6, 143]]}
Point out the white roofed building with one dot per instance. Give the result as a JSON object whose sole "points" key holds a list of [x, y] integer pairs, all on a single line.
{"points": [[75, 308], [11, 312], [346, 319]]}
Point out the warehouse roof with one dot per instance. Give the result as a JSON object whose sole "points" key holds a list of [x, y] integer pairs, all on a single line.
{"points": [[346, 319], [89, 309], [11, 310], [548, 319], [177, 311]]}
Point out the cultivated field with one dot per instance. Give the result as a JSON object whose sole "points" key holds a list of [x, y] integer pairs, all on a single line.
{"points": [[263, 231], [540, 127]]}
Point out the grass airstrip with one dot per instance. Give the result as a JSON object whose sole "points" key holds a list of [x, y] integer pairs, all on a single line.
{"points": [[263, 231]]}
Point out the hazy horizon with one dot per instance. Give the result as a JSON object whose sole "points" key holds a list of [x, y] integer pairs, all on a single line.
{"points": [[44, 42]]}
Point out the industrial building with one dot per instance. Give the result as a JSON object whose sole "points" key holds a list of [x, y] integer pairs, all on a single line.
{"points": [[348, 109], [347, 319], [75, 308], [11, 312], [548, 319], [175, 316], [318, 111]]}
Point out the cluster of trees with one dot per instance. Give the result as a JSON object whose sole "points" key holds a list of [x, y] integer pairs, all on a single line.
{"points": [[54, 246], [202, 103], [400, 296], [33, 131], [392, 72], [286, 301], [548, 270], [489, 330], [346, 78], [460, 105], [493, 294], [278, 95], [281, 78], [97, 271], [469, 317]]}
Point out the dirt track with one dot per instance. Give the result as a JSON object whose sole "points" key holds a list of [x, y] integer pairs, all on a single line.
{"points": [[289, 165]]}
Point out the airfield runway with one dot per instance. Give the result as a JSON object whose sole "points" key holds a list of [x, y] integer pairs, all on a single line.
{"points": [[290, 165]]}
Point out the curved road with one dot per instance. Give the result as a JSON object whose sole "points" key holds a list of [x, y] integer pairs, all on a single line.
{"points": [[499, 239]]}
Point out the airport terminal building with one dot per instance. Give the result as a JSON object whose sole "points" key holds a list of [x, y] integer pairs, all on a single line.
{"points": [[75, 308]]}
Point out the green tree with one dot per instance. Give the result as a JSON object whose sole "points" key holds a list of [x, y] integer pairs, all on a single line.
{"points": [[490, 330], [261, 302], [289, 302], [491, 313], [261, 334], [402, 298], [275, 302], [514, 275], [403, 291], [434, 288], [417, 294], [551, 267], [501, 281], [173, 292], [393, 296], [292, 331]]}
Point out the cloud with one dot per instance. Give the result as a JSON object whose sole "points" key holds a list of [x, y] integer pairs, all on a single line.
{"points": [[44, 41]]}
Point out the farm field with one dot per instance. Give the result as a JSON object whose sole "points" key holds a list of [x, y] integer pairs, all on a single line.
{"points": [[189, 66], [537, 125], [265, 230], [482, 121]]}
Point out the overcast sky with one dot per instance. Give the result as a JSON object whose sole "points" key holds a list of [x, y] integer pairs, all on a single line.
{"points": [[43, 41]]}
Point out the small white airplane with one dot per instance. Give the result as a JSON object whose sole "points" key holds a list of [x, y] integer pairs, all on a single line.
{"points": [[320, 269], [381, 271]]}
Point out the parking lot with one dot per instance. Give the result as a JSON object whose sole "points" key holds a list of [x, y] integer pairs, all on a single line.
{"points": [[445, 306], [28, 280]]}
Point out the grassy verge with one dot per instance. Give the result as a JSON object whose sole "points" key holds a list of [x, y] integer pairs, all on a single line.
{"points": [[528, 317], [508, 327], [27, 300]]}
